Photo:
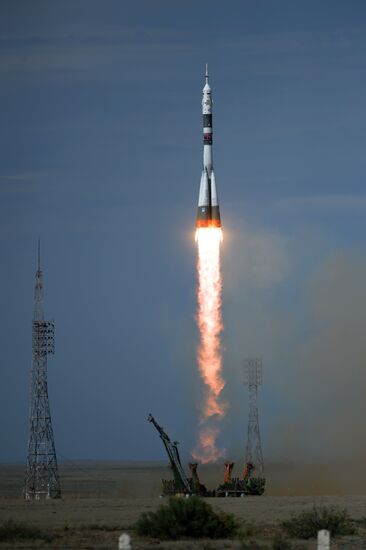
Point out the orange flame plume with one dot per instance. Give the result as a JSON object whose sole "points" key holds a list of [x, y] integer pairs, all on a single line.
{"points": [[209, 320]]}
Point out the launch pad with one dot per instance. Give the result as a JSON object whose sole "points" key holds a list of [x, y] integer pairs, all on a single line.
{"points": [[209, 357], [248, 484]]}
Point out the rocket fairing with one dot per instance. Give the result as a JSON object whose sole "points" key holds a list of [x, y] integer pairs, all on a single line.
{"points": [[208, 214]]}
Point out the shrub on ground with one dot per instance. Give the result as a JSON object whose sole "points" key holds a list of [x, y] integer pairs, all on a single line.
{"points": [[253, 545], [13, 530], [249, 529], [307, 524], [280, 543], [186, 518]]}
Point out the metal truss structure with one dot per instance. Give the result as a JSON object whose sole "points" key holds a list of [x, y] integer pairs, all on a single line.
{"points": [[42, 478], [253, 379]]}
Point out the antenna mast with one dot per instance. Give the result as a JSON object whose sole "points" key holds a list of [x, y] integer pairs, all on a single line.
{"points": [[42, 478]]}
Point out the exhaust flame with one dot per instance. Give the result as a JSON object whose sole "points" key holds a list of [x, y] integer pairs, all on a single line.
{"points": [[209, 320]]}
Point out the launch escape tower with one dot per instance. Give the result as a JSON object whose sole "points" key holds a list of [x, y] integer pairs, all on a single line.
{"points": [[253, 379], [42, 478]]}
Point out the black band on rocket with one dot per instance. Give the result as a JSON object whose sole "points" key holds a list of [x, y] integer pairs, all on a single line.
{"points": [[207, 121]]}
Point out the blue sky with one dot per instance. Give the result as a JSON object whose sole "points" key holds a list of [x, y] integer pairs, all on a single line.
{"points": [[100, 149]]}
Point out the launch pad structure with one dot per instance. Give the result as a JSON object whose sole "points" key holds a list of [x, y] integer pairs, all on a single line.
{"points": [[252, 480], [41, 478], [183, 485]]}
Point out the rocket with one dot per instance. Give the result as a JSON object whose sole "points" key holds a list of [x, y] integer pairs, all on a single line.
{"points": [[208, 214]]}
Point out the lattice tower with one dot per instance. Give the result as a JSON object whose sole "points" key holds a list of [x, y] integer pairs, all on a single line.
{"points": [[42, 478], [253, 379]]}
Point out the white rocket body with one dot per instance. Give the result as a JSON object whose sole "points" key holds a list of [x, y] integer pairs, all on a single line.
{"points": [[208, 214]]}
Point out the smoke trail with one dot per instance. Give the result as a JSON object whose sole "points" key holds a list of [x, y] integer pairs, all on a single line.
{"points": [[209, 358]]}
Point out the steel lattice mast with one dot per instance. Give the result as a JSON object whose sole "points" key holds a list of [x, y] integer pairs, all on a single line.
{"points": [[253, 379], [42, 478]]}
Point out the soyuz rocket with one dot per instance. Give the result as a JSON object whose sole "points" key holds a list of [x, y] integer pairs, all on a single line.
{"points": [[208, 214]]}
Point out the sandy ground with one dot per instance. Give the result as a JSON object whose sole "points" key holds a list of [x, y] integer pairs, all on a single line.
{"points": [[100, 501]]}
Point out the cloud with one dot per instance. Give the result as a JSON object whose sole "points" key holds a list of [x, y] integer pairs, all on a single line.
{"points": [[89, 49], [297, 41], [324, 202], [82, 47]]}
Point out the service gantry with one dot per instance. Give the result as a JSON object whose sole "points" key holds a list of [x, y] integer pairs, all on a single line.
{"points": [[42, 478], [181, 483]]}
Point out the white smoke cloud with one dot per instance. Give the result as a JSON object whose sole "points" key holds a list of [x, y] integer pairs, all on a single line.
{"points": [[311, 339], [254, 258], [329, 374]]}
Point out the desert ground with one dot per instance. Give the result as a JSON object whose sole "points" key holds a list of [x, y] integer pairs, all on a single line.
{"points": [[102, 500]]}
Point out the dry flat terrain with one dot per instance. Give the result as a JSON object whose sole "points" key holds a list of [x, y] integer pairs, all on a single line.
{"points": [[100, 501]]}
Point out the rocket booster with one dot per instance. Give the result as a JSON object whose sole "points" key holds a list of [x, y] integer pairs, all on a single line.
{"points": [[208, 214]]}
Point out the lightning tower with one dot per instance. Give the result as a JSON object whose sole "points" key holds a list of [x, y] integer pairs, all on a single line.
{"points": [[253, 379], [42, 478]]}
